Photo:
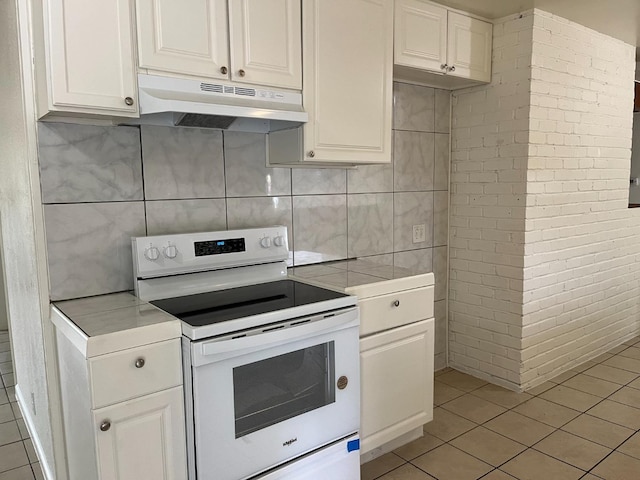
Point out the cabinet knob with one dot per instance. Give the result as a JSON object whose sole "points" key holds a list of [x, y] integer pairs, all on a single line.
{"points": [[223, 70], [443, 66], [311, 154], [105, 425], [452, 68], [128, 101], [242, 73], [396, 303], [139, 362]]}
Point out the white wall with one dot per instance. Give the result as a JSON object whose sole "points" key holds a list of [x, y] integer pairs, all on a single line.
{"points": [[4, 325], [634, 190]]}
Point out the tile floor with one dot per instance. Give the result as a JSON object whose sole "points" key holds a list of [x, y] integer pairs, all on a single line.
{"points": [[583, 424], [18, 460]]}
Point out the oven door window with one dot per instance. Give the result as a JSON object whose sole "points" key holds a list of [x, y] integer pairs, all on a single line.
{"points": [[278, 388]]}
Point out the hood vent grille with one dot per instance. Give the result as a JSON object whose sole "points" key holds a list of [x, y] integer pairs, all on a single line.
{"points": [[226, 89]]}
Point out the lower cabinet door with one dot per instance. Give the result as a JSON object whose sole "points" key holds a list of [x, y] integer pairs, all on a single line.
{"points": [[396, 378], [142, 438]]}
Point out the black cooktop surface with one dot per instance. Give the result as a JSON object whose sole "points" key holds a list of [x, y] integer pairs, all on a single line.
{"points": [[223, 305]]}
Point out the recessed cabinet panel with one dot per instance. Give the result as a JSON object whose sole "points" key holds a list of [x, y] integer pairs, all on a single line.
{"points": [[469, 47], [90, 63], [187, 37], [420, 35], [266, 46]]}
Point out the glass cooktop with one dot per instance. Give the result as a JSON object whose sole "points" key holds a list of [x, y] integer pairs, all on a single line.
{"points": [[224, 305]]}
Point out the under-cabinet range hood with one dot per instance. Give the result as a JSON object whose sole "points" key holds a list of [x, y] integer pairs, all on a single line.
{"points": [[223, 105]]}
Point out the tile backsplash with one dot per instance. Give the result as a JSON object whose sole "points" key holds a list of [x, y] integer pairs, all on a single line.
{"points": [[102, 185]]}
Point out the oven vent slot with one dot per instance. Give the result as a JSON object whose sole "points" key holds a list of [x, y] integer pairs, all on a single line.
{"points": [[277, 327], [238, 336], [300, 322]]}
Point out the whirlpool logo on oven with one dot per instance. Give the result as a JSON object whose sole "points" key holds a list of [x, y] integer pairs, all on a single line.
{"points": [[289, 442]]}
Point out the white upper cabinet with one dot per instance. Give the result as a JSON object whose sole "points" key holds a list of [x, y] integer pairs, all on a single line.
{"points": [[437, 46], [84, 57], [249, 41]]}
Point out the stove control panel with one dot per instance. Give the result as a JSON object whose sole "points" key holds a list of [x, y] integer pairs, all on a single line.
{"points": [[163, 255]]}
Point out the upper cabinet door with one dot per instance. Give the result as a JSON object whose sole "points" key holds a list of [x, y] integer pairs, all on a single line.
{"points": [[469, 47], [266, 42], [420, 35], [188, 37], [90, 60], [347, 88]]}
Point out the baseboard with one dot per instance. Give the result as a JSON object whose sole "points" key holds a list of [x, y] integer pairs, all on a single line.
{"points": [[28, 420]]}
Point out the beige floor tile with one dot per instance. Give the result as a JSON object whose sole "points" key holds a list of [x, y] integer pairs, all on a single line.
{"points": [[31, 451], [20, 473], [571, 398], [631, 352], [5, 357], [6, 413], [624, 363], [11, 393], [488, 446], [631, 447], [8, 379], [9, 433], [584, 366], [443, 371], [6, 367], [573, 450], [12, 456], [17, 413], [546, 412], [628, 396], [592, 385], [418, 447], [618, 466], [4, 398], [611, 374], [449, 463], [5, 346], [541, 388], [501, 396], [617, 413], [632, 341], [474, 408], [563, 377], [406, 472], [598, 430], [497, 475], [635, 384], [443, 393], [532, 465], [588, 476], [379, 466], [618, 349], [461, 381], [602, 358], [446, 425], [37, 471], [24, 433], [519, 428]]}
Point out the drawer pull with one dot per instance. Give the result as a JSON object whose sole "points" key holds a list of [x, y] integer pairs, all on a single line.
{"points": [[396, 303], [140, 362], [105, 425]]}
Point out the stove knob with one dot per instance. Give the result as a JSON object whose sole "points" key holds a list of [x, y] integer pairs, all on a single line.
{"points": [[278, 241], [171, 251], [152, 253], [265, 242]]}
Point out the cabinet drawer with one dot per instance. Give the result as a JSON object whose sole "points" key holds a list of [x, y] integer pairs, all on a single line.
{"points": [[389, 311], [122, 376]]}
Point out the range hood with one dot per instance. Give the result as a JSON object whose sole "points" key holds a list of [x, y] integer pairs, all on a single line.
{"points": [[223, 105]]}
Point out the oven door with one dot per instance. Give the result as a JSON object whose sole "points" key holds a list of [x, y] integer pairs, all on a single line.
{"points": [[272, 394]]}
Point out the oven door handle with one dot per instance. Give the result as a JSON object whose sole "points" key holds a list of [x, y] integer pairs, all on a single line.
{"points": [[234, 347]]}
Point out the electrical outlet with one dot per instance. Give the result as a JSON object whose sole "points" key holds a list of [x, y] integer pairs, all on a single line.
{"points": [[419, 233]]}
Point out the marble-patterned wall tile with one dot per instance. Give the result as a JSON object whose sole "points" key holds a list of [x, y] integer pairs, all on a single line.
{"points": [[440, 272], [440, 317], [185, 216], [86, 163], [319, 228], [370, 179], [409, 209], [441, 177], [413, 107], [385, 260], [245, 168], [413, 165], [443, 111], [89, 247], [418, 261], [370, 224], [317, 181], [440, 218], [182, 163]]}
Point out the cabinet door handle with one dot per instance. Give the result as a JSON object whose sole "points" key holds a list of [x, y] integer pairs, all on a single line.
{"points": [[396, 303], [242, 73], [452, 68], [444, 66], [311, 154], [128, 101], [105, 425], [223, 70], [140, 362]]}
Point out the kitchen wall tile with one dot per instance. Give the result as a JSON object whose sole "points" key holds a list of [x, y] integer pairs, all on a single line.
{"points": [[440, 272], [383, 260], [440, 341], [319, 228], [185, 216], [245, 170], [370, 179], [441, 179], [316, 181], [86, 163], [412, 208], [413, 166], [414, 107], [442, 111], [418, 261], [370, 224], [440, 218], [89, 247], [182, 163]]}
